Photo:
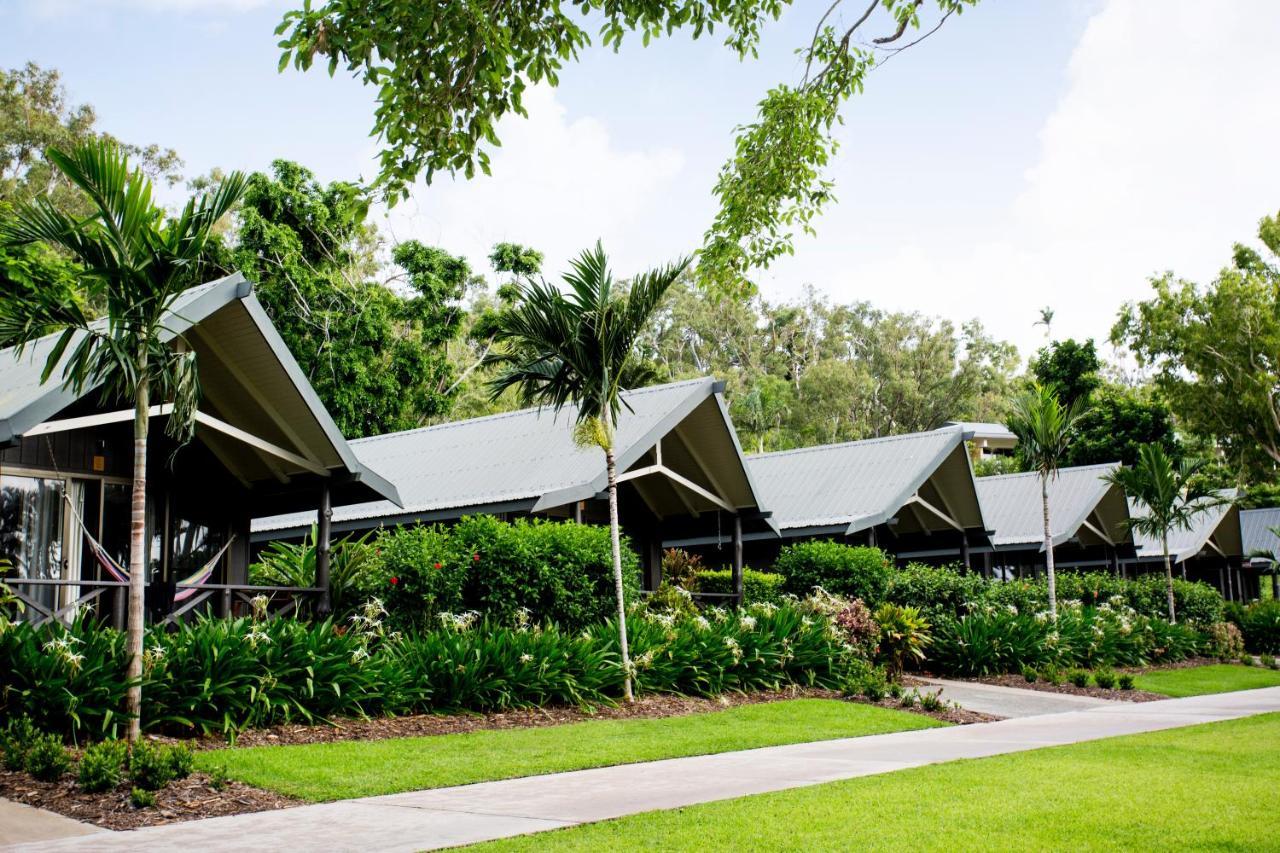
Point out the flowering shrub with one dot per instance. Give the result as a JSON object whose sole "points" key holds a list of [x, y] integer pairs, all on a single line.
{"points": [[560, 571], [1225, 641], [859, 627], [219, 676], [999, 639]]}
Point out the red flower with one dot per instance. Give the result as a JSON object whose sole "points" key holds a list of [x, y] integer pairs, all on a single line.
{"points": [[395, 581], [438, 566], [475, 557]]}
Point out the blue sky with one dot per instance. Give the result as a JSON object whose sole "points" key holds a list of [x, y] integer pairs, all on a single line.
{"points": [[1031, 153]]}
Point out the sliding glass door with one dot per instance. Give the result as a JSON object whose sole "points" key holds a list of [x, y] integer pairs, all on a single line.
{"points": [[31, 530]]}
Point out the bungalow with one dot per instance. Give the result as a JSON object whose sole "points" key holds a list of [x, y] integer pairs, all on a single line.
{"points": [[912, 495], [263, 444], [986, 439], [682, 473], [1210, 550], [1087, 517], [1261, 544]]}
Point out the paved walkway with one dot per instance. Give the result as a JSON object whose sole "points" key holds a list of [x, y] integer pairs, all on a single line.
{"points": [[450, 816], [1012, 701], [20, 823]]}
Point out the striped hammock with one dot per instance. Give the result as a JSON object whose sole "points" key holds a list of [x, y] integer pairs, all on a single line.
{"points": [[121, 574]]}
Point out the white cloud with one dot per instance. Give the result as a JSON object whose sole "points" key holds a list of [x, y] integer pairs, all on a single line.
{"points": [[1159, 155], [557, 184]]}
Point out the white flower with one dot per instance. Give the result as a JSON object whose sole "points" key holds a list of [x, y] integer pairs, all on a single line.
{"points": [[748, 623], [526, 658], [1013, 609], [702, 623]]}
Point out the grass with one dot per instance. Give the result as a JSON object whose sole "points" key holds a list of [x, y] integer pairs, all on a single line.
{"points": [[1192, 788], [1199, 680], [332, 771]]}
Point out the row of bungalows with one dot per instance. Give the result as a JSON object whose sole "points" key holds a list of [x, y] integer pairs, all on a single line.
{"points": [[269, 463]]}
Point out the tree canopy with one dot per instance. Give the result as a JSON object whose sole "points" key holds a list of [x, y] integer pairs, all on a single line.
{"points": [[438, 109], [1214, 350]]}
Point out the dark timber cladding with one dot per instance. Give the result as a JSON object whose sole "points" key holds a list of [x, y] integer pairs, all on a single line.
{"points": [[1088, 520], [263, 443], [909, 494], [681, 472]]}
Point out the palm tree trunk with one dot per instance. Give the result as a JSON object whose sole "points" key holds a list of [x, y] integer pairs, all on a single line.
{"points": [[1168, 574], [1048, 549], [137, 557], [616, 540]]}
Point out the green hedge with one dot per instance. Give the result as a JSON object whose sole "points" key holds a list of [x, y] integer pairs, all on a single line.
{"points": [[558, 571], [1261, 627], [846, 570], [220, 676], [944, 591], [757, 587]]}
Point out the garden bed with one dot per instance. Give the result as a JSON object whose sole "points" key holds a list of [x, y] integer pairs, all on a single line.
{"points": [[187, 799]]}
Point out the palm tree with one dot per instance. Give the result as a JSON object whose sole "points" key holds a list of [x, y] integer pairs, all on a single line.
{"points": [[579, 348], [135, 261], [1171, 495], [1045, 430]]}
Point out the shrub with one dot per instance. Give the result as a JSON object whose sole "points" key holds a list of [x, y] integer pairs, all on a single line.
{"points": [[1124, 681], [849, 571], [989, 644], [47, 759], [1246, 660], [182, 761], [859, 627], [904, 635], [69, 679], [679, 567], [555, 571], [933, 702], [874, 686], [18, 736], [353, 569], [1268, 661], [102, 766], [1078, 677], [141, 798], [937, 591], [1225, 640], [1029, 673], [757, 587], [1052, 674], [1261, 626], [218, 777], [1105, 678], [151, 766]]}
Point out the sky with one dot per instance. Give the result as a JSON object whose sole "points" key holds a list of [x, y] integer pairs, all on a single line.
{"points": [[1032, 153]]}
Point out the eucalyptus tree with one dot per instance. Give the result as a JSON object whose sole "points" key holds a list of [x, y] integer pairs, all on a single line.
{"points": [[578, 347], [1172, 494], [1044, 427], [135, 260]]}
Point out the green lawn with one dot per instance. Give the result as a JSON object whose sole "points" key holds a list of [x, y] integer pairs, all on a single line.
{"points": [[1193, 788], [1198, 680], [334, 771]]}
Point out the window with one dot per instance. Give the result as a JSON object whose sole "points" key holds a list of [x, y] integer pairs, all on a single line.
{"points": [[31, 523]]}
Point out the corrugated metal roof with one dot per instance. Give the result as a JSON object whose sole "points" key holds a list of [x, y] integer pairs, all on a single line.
{"points": [[507, 457], [1012, 506], [983, 429], [858, 484], [1187, 543], [1255, 530], [25, 401]]}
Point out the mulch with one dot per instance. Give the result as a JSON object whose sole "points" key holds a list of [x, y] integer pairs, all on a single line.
{"points": [[195, 797], [1067, 687], [187, 799]]}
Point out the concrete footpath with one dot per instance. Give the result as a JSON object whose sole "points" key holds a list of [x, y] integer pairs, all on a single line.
{"points": [[449, 816], [1002, 701]]}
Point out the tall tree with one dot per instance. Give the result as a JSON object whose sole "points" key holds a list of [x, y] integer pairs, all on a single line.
{"points": [[136, 262], [1169, 493], [1118, 422], [375, 355], [580, 348], [1043, 426], [1215, 351], [439, 108], [1073, 368]]}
